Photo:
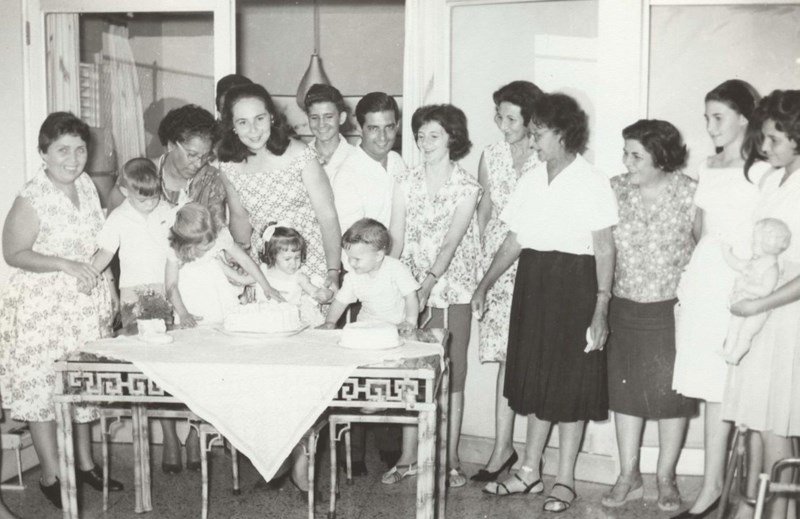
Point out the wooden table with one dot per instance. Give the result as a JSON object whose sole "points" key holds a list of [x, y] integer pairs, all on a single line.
{"points": [[418, 385]]}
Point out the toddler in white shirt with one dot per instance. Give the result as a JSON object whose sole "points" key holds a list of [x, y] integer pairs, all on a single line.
{"points": [[385, 287]]}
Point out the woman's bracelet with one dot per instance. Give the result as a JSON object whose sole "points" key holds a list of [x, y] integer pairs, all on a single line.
{"points": [[337, 270], [434, 276], [604, 294]]}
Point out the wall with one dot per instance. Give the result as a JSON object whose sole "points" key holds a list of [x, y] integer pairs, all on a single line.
{"points": [[361, 44], [12, 167]]}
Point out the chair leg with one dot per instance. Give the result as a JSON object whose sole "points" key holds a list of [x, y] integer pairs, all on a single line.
{"points": [[104, 449], [204, 473], [348, 455], [311, 454], [235, 470], [334, 470], [763, 483]]}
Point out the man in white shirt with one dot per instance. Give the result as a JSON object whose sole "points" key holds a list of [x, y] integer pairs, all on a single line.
{"points": [[327, 112], [364, 185]]}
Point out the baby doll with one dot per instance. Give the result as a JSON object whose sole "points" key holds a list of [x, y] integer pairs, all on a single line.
{"points": [[758, 277]]}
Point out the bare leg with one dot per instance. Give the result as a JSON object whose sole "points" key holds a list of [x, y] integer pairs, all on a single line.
{"points": [[569, 442], [503, 425], [192, 448], [171, 453], [629, 437], [717, 432], [456, 416], [530, 469], [300, 467], [409, 454], [670, 439], [83, 446], [43, 435]]}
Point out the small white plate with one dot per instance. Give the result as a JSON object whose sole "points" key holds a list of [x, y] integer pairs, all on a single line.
{"points": [[266, 335]]}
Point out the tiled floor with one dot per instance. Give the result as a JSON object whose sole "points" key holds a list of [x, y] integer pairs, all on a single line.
{"points": [[178, 496]]}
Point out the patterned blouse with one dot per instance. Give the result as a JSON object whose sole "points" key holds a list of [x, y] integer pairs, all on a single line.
{"points": [[428, 218], [205, 188], [654, 243]]}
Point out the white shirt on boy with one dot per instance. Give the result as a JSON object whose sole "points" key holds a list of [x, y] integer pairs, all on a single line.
{"points": [[381, 291], [142, 241]]}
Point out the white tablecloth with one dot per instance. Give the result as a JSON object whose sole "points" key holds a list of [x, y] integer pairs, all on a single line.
{"points": [[261, 394]]}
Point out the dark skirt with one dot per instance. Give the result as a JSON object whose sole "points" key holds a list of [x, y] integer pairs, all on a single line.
{"points": [[641, 358], [547, 372]]}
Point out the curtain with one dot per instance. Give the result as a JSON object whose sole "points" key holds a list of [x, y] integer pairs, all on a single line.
{"points": [[62, 62]]}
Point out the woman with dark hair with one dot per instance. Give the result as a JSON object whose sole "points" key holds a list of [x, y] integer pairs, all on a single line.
{"points": [[761, 391], [55, 301], [271, 177], [188, 133], [559, 219], [653, 240], [727, 192], [434, 233], [501, 165]]}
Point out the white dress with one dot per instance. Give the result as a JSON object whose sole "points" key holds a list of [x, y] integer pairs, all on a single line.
{"points": [[762, 390], [702, 316]]}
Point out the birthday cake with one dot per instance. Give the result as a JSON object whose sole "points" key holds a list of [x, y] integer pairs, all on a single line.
{"points": [[370, 336], [263, 317]]}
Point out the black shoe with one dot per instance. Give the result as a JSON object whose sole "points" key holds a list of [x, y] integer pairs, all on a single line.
{"points": [[485, 475], [686, 514], [94, 478], [171, 468], [194, 465], [390, 458], [52, 493]]}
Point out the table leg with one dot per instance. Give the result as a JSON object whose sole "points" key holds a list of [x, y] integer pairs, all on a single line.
{"points": [[66, 460], [137, 460], [425, 461], [144, 449], [444, 435]]}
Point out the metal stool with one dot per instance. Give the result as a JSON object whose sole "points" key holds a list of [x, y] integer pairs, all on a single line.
{"points": [[737, 468], [770, 484]]}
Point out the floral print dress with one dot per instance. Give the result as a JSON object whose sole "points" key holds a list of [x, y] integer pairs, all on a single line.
{"points": [[428, 218], [502, 181], [281, 196], [43, 316]]}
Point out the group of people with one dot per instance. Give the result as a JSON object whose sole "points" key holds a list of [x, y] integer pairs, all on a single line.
{"points": [[593, 294]]}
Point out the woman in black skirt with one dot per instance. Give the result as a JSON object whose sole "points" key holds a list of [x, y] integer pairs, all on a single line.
{"points": [[560, 219], [654, 243]]}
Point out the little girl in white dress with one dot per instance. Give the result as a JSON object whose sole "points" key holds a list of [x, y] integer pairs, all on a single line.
{"points": [[196, 281], [283, 253]]}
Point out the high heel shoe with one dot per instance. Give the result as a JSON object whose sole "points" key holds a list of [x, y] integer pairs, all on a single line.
{"points": [[52, 492], [686, 514], [485, 475]]}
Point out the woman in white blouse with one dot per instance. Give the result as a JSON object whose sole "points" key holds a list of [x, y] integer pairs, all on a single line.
{"points": [[560, 219]]}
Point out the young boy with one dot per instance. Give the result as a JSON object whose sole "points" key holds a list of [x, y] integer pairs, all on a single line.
{"points": [[385, 287], [139, 229]]}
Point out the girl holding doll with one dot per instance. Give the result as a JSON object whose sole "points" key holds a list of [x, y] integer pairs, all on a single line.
{"points": [[282, 255], [761, 390], [196, 281]]}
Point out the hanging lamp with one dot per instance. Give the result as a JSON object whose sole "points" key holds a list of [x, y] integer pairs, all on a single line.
{"points": [[315, 73]]}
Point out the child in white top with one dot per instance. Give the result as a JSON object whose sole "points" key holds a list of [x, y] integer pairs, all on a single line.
{"points": [[196, 283], [385, 287], [758, 277], [138, 228], [283, 254]]}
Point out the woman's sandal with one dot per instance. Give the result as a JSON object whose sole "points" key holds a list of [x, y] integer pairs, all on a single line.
{"points": [[501, 489], [631, 494], [398, 473], [671, 502], [456, 477], [557, 505]]}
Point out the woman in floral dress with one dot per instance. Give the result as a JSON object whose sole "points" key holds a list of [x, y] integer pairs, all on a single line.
{"points": [[434, 232], [501, 165], [55, 301], [270, 177]]}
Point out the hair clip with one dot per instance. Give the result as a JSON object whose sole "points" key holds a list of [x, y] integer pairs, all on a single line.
{"points": [[270, 230]]}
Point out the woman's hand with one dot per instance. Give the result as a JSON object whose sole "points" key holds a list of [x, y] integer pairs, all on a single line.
{"points": [[598, 330], [424, 293], [323, 295], [478, 303], [327, 326], [331, 282], [188, 320], [746, 307], [271, 293], [85, 273]]}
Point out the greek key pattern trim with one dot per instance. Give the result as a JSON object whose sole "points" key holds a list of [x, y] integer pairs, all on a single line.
{"points": [[382, 390], [97, 383]]}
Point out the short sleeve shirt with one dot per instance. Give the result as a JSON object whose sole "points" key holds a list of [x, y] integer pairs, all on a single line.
{"points": [[654, 242], [561, 215], [340, 154], [381, 292], [141, 240]]}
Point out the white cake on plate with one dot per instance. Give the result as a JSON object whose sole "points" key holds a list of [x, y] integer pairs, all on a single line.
{"points": [[370, 336], [263, 317]]}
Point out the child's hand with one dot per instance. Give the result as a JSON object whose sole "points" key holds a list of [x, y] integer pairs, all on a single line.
{"points": [[327, 326], [188, 320], [406, 329], [84, 287], [323, 295], [271, 293]]}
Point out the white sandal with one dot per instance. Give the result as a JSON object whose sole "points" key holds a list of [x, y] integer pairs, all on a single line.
{"points": [[398, 473]]}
